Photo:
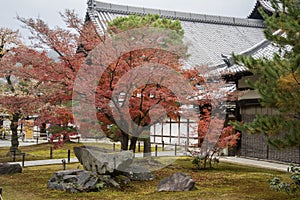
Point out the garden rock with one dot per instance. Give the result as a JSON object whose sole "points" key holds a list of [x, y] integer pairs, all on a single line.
{"points": [[103, 161], [80, 181], [106, 162], [6, 168], [138, 173], [176, 182]]}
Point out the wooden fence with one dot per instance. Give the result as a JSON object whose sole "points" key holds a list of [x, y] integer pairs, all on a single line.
{"points": [[256, 146]]}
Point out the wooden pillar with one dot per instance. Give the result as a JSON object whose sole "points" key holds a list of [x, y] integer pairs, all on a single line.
{"points": [[179, 130], [162, 131], [154, 135], [188, 133], [170, 131]]}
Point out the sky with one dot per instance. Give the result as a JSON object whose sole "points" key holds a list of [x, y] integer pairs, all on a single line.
{"points": [[48, 10]]}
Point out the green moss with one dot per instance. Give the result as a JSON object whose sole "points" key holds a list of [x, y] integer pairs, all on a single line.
{"points": [[226, 181]]}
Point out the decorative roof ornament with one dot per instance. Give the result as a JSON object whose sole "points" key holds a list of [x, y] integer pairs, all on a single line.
{"points": [[267, 7], [227, 60], [91, 4]]}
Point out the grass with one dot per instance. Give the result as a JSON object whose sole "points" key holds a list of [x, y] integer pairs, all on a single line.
{"points": [[39, 152], [42, 151], [225, 182]]}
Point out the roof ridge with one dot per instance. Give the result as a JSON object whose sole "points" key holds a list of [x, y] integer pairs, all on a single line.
{"points": [[184, 16]]}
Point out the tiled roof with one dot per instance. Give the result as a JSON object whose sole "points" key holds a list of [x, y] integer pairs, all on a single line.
{"points": [[209, 36], [127, 10]]}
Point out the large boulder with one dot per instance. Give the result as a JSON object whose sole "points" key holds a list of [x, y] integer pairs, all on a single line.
{"points": [[80, 181], [103, 161], [177, 182], [6, 168]]}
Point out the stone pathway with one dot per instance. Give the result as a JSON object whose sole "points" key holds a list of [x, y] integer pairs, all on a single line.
{"points": [[256, 163], [45, 162]]}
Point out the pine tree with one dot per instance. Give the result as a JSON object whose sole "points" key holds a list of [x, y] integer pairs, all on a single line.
{"points": [[279, 77]]}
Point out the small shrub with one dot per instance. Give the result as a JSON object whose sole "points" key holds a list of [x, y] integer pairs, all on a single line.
{"points": [[203, 161], [292, 187]]}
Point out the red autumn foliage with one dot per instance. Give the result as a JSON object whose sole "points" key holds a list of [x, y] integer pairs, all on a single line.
{"points": [[56, 80]]}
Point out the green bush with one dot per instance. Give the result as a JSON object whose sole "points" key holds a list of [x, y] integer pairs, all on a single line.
{"points": [[292, 186]]}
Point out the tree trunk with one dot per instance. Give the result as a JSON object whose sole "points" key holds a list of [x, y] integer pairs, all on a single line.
{"points": [[124, 141], [14, 130], [43, 131], [204, 162], [133, 141], [147, 147], [1, 128], [66, 137], [209, 163], [211, 158]]}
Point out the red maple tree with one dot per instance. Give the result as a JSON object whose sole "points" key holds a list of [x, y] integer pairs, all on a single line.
{"points": [[27, 90], [70, 46], [144, 102]]}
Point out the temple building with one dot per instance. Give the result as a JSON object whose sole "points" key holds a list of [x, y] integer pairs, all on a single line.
{"points": [[212, 40]]}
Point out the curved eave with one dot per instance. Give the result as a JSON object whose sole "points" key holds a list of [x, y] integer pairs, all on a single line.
{"points": [[263, 49], [267, 7]]}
